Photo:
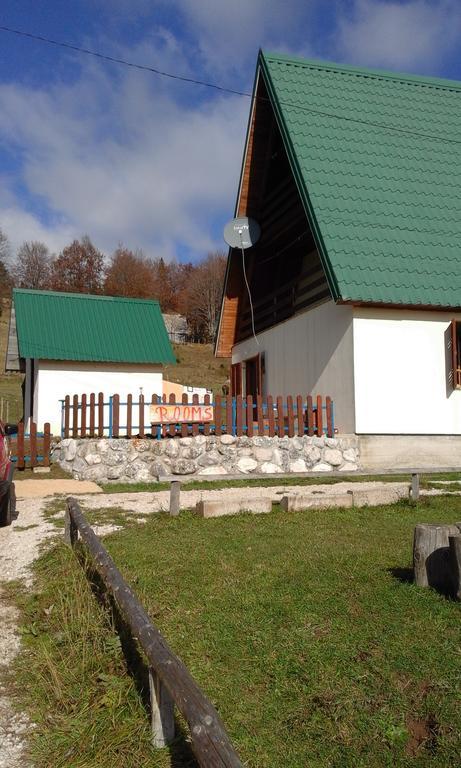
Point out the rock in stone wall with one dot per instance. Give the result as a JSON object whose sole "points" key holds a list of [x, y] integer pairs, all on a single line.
{"points": [[141, 460]]}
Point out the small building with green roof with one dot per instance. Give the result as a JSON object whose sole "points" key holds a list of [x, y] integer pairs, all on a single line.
{"points": [[69, 343], [354, 176]]}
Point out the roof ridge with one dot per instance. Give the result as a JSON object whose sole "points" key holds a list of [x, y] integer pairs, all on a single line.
{"points": [[378, 74], [70, 295]]}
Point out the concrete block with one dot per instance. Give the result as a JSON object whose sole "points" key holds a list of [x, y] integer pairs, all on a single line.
{"points": [[41, 470], [300, 502], [379, 496], [221, 507]]}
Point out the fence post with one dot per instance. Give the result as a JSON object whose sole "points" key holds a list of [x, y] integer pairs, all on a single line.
{"points": [[162, 712], [414, 486], [175, 490]]}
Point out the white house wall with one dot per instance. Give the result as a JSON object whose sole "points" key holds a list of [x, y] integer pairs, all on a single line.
{"points": [[310, 353], [402, 364], [55, 380]]}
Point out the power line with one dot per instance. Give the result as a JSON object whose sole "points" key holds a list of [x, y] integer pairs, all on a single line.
{"points": [[224, 89]]}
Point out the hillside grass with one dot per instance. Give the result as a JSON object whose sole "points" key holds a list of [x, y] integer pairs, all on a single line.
{"points": [[304, 629]]}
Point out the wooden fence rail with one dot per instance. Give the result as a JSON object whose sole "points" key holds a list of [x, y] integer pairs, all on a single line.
{"points": [[92, 416], [170, 681], [31, 449]]}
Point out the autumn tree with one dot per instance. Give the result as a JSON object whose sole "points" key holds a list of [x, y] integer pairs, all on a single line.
{"points": [[78, 268], [204, 296], [32, 268], [129, 274]]}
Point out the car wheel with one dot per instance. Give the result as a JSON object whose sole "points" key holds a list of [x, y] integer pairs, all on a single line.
{"points": [[7, 508]]}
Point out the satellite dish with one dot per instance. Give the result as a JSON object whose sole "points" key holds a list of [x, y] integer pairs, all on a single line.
{"points": [[242, 232]]}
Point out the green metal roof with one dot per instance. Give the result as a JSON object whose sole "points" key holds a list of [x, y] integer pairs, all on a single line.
{"points": [[77, 326], [377, 160]]}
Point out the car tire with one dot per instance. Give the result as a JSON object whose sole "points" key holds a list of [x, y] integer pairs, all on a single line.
{"points": [[7, 507]]}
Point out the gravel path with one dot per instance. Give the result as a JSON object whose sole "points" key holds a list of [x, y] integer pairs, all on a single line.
{"points": [[20, 545]]}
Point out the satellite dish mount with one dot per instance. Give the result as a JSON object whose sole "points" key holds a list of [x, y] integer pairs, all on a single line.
{"points": [[242, 233]]}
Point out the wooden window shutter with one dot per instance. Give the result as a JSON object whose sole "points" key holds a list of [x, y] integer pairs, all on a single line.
{"points": [[236, 379], [455, 362]]}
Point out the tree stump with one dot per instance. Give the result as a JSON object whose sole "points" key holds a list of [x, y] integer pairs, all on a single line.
{"points": [[455, 553], [432, 561]]}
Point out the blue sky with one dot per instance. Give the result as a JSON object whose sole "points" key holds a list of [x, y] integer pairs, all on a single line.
{"points": [[125, 156]]}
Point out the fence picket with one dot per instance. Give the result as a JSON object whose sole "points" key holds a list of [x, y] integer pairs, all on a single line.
{"points": [[33, 445], [291, 417], [249, 415], [271, 415], [75, 416], [300, 415], [141, 416], [229, 414], [100, 415], [172, 401], [206, 426], [92, 414], [66, 416], [280, 420], [217, 415], [184, 426], [260, 415], [46, 444], [129, 415], [319, 416], [20, 446], [329, 417], [239, 420], [83, 418], [310, 416], [195, 427], [115, 415]]}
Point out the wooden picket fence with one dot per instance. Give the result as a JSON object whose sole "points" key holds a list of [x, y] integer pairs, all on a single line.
{"points": [[93, 416], [31, 449]]}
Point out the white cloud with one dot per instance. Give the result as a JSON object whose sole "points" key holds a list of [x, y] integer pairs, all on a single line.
{"points": [[119, 159], [399, 35]]}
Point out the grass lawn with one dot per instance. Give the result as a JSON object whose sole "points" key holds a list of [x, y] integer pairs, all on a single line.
{"points": [[302, 628]]}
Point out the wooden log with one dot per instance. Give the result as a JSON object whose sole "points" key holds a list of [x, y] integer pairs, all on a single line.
{"points": [[455, 557], [175, 490], [162, 712], [431, 556], [210, 742]]}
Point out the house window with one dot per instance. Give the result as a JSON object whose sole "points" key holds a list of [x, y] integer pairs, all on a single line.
{"points": [[456, 353]]}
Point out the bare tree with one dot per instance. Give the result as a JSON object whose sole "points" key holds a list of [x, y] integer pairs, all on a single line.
{"points": [[32, 268], [204, 296], [5, 277], [78, 268]]}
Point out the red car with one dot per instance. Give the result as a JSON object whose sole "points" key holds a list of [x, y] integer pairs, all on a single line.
{"points": [[7, 495]]}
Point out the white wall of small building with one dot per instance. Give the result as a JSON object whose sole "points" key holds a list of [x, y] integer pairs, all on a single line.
{"points": [[309, 354], [56, 379], [402, 373]]}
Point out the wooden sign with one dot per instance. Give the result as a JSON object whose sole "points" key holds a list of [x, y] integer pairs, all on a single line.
{"points": [[175, 414]]}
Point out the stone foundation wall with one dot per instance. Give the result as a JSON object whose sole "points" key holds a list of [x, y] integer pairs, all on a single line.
{"points": [[144, 460]]}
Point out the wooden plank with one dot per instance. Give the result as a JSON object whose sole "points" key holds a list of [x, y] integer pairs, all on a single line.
{"points": [[206, 426], [75, 416], [291, 416], [92, 413], [154, 401], [46, 444], [115, 415], [83, 418], [319, 416], [184, 427], [271, 415], [141, 416], [260, 415], [218, 416], [172, 401], [239, 419], [310, 416], [210, 742], [300, 415], [195, 427], [129, 415], [66, 416], [33, 444], [100, 414], [280, 417], [329, 410], [249, 415], [20, 444], [229, 413]]}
